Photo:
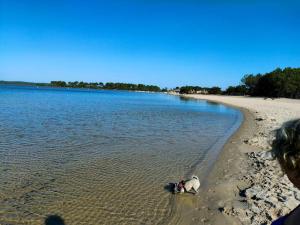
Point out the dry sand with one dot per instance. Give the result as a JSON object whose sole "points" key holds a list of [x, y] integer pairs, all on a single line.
{"points": [[245, 186]]}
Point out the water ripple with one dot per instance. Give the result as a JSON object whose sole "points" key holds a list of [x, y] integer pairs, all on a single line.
{"points": [[97, 158]]}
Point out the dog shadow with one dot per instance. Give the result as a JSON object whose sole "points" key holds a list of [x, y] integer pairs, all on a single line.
{"points": [[54, 220], [170, 187]]}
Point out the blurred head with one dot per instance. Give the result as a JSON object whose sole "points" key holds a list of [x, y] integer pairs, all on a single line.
{"points": [[286, 147]]}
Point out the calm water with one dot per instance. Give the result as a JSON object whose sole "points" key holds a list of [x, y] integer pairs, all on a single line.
{"points": [[101, 157]]}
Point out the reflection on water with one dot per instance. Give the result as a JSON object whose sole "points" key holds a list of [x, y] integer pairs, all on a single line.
{"points": [[99, 157]]}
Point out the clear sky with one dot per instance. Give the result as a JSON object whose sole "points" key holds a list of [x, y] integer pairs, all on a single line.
{"points": [[163, 42]]}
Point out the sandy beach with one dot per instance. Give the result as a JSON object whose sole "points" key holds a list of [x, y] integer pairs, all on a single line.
{"points": [[245, 185]]}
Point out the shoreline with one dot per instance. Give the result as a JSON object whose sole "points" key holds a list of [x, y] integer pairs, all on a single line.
{"points": [[243, 170]]}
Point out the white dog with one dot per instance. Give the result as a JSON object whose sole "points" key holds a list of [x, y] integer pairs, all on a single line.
{"points": [[188, 185]]}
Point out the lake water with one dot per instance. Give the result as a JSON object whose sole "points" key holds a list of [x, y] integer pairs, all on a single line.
{"points": [[102, 157]]}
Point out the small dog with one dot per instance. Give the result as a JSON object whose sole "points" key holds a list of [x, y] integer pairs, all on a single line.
{"points": [[188, 185]]}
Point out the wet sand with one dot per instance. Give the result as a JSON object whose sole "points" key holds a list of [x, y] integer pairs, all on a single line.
{"points": [[245, 186]]}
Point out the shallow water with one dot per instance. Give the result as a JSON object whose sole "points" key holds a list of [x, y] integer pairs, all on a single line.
{"points": [[101, 157]]}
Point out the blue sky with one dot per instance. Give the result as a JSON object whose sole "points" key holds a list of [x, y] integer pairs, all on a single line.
{"points": [[163, 42]]}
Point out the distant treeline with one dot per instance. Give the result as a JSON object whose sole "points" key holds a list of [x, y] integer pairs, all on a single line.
{"points": [[91, 85], [109, 85], [23, 83], [278, 83]]}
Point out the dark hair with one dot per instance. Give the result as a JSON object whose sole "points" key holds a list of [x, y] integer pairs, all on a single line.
{"points": [[286, 146]]}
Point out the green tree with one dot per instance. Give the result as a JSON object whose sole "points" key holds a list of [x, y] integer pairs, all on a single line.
{"points": [[277, 83], [250, 81], [58, 83], [236, 90], [215, 90]]}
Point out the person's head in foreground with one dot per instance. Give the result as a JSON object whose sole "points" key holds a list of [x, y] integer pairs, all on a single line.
{"points": [[286, 148]]}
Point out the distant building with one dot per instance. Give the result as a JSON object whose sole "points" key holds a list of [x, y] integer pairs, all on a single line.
{"points": [[203, 92]]}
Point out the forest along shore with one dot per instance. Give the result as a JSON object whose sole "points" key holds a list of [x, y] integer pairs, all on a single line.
{"points": [[246, 186]]}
